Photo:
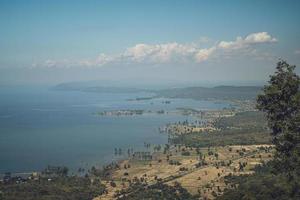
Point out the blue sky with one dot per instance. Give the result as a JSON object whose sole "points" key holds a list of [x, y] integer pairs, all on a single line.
{"points": [[160, 41]]}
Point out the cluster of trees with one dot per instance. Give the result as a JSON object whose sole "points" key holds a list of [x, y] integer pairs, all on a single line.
{"points": [[280, 178], [243, 120], [245, 128], [174, 162], [224, 138], [142, 155], [55, 171], [104, 172], [265, 183], [118, 151], [157, 191], [58, 187], [220, 92]]}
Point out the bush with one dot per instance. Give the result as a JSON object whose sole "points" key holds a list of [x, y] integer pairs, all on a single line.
{"points": [[185, 153]]}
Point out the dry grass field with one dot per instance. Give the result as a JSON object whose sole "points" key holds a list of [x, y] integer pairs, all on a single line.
{"points": [[206, 179]]}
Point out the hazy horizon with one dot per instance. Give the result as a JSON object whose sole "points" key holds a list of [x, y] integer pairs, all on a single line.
{"points": [[141, 85]]}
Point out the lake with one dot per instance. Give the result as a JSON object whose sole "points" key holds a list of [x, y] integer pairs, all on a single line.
{"points": [[40, 126]]}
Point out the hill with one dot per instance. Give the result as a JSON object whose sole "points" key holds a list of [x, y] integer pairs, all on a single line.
{"points": [[219, 92], [198, 93]]}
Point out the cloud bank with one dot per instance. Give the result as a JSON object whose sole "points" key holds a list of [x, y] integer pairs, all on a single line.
{"points": [[170, 53]]}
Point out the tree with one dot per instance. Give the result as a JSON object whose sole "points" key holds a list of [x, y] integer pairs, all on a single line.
{"points": [[281, 103], [279, 178]]}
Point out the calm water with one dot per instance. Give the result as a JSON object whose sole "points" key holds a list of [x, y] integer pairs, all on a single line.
{"points": [[39, 126]]}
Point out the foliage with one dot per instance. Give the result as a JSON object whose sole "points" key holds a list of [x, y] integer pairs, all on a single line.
{"points": [[242, 120], [223, 138], [281, 103], [262, 185], [157, 191], [73, 188], [280, 178], [185, 153], [244, 128], [55, 171], [220, 92]]}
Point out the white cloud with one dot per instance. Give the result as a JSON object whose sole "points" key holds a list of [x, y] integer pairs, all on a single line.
{"points": [[262, 37], [251, 39], [160, 53], [204, 54], [297, 52], [169, 53], [228, 45], [50, 63]]}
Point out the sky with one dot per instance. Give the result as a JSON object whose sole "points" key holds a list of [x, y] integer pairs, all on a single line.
{"points": [[151, 42]]}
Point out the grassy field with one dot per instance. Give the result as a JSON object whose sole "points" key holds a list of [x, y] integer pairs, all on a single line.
{"points": [[199, 161], [201, 171], [245, 128]]}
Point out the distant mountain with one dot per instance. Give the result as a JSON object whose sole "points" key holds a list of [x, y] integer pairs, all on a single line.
{"points": [[219, 92], [70, 86], [92, 87], [198, 93]]}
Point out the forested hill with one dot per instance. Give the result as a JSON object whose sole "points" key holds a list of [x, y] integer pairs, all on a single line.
{"points": [[219, 92], [94, 87]]}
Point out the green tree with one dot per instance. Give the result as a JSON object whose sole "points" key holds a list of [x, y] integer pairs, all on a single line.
{"points": [[280, 178], [281, 103]]}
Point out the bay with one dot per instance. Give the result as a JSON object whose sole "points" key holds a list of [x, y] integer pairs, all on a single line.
{"points": [[40, 126]]}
